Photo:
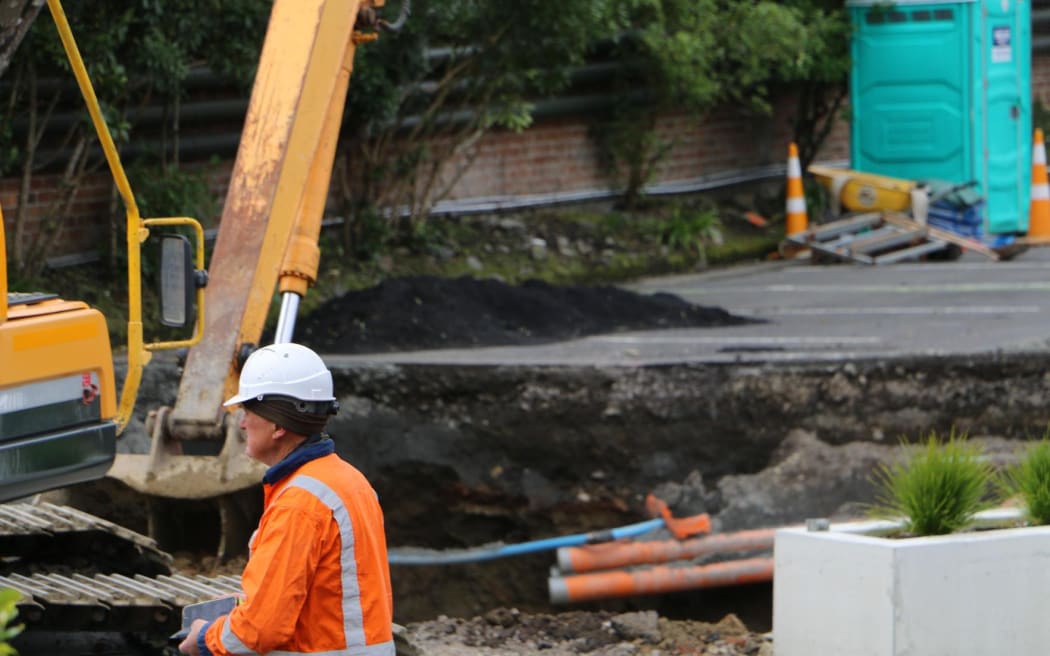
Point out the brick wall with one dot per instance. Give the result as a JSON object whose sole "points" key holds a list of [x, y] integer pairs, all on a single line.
{"points": [[551, 157], [1041, 77], [558, 156]]}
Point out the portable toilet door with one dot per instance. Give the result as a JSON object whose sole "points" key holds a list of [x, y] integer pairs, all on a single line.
{"points": [[941, 91], [1006, 73]]}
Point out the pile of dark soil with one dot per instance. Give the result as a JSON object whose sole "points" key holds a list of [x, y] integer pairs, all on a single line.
{"points": [[427, 312]]}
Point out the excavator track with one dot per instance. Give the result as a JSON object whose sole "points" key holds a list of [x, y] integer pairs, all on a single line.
{"points": [[36, 536], [78, 572], [112, 602]]}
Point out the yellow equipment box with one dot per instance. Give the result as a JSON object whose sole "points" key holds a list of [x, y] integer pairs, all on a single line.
{"points": [[855, 191]]}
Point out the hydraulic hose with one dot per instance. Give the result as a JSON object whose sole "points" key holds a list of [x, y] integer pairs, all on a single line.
{"points": [[412, 556]]}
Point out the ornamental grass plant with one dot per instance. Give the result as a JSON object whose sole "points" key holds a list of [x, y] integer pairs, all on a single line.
{"points": [[1029, 480], [937, 488]]}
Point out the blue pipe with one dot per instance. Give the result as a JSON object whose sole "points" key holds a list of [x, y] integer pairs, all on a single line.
{"points": [[413, 556]]}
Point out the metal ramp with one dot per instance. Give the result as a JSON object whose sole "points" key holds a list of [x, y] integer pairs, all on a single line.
{"points": [[881, 238]]}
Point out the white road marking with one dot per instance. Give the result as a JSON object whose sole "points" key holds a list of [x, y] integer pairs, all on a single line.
{"points": [[896, 288], [935, 311], [729, 339], [934, 269]]}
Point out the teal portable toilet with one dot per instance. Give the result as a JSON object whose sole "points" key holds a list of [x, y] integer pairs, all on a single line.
{"points": [[942, 91]]}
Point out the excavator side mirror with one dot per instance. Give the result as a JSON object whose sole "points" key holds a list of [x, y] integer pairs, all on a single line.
{"points": [[178, 282]]}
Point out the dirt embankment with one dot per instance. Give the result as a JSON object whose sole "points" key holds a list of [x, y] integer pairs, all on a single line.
{"points": [[464, 456]]}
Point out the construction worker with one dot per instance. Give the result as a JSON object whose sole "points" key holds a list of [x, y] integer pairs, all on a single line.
{"points": [[317, 577]]}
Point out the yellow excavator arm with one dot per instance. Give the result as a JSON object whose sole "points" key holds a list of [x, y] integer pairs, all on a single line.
{"points": [[268, 234], [267, 240]]}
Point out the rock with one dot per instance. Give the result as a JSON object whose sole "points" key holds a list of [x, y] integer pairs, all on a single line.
{"points": [[402, 643], [538, 248], [642, 625], [565, 246], [686, 498]]}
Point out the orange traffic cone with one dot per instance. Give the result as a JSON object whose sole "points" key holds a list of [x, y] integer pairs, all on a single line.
{"points": [[796, 197], [1039, 208]]}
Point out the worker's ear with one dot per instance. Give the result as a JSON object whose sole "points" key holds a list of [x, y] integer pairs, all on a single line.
{"points": [[279, 432]]}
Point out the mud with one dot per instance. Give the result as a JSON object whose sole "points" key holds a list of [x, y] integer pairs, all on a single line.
{"points": [[468, 456]]}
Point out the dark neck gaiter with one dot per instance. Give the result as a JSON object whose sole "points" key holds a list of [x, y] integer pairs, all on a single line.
{"points": [[284, 414]]}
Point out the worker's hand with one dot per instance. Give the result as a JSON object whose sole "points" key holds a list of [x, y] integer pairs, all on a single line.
{"points": [[189, 645]]}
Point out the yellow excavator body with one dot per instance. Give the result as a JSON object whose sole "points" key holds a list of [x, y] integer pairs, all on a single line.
{"points": [[57, 392]]}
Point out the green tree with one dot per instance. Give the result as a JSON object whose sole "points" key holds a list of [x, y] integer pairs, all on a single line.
{"points": [[422, 98], [820, 82], [691, 55], [136, 53]]}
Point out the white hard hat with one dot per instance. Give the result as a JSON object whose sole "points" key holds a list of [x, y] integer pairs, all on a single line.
{"points": [[287, 370]]}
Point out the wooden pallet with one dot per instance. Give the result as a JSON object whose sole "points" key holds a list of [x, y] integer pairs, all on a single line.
{"points": [[881, 238]]}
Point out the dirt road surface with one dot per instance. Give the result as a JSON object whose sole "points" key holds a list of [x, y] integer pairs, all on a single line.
{"points": [[504, 632]]}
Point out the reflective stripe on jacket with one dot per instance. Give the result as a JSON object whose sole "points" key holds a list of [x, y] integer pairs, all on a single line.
{"points": [[317, 579]]}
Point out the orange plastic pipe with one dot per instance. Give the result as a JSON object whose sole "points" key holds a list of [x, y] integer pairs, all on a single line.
{"points": [[611, 555], [657, 580]]}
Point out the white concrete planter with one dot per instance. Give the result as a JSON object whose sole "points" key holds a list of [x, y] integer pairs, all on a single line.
{"points": [[845, 592]]}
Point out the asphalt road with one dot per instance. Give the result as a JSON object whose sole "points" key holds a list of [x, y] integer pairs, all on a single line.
{"points": [[818, 312]]}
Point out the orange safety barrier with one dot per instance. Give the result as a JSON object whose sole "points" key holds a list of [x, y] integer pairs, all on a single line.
{"points": [[611, 555], [658, 580], [1039, 207], [797, 219]]}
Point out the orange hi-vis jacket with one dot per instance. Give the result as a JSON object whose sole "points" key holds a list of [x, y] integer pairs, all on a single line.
{"points": [[317, 578]]}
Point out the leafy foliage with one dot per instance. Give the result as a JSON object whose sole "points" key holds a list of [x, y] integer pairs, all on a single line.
{"points": [[1030, 479], [693, 231], [424, 97], [691, 55], [937, 489], [820, 81], [8, 612], [172, 192], [136, 53], [1040, 115]]}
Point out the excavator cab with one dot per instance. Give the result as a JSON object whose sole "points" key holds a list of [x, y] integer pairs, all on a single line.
{"points": [[58, 401]]}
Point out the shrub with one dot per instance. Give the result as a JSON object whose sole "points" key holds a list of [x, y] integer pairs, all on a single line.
{"points": [[8, 611], [937, 489], [1030, 480]]}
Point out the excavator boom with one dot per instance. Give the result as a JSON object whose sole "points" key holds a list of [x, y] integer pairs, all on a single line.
{"points": [[268, 234], [302, 69]]}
